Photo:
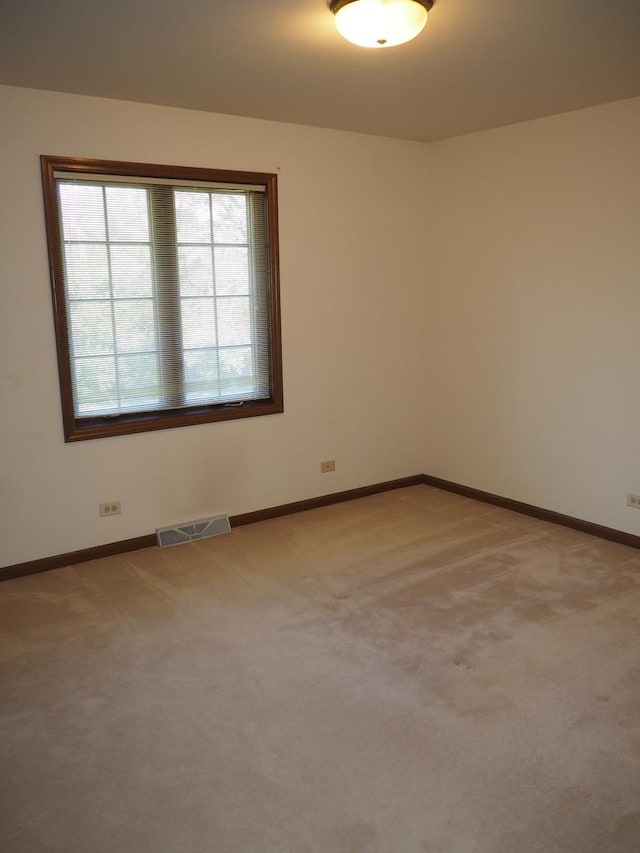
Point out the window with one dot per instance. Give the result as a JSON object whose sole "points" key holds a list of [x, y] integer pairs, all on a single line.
{"points": [[165, 294]]}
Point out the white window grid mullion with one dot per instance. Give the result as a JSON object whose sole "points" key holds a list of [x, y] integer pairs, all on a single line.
{"points": [[112, 296], [215, 293], [151, 244], [251, 249]]}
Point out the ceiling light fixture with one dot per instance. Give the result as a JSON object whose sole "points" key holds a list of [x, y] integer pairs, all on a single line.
{"points": [[380, 23]]}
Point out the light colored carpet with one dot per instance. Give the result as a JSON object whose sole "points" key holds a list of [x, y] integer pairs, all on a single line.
{"points": [[409, 672]]}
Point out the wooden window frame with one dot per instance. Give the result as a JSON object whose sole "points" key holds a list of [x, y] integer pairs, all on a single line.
{"points": [[82, 428]]}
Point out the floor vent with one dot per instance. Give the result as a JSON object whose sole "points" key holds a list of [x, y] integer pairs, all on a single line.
{"points": [[192, 531]]}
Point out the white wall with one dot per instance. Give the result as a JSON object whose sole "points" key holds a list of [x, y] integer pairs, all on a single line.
{"points": [[350, 222], [533, 379], [504, 293]]}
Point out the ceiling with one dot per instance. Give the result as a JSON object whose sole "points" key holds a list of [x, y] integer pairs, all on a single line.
{"points": [[478, 64]]}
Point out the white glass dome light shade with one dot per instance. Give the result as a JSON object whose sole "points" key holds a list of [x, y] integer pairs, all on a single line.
{"points": [[380, 23]]}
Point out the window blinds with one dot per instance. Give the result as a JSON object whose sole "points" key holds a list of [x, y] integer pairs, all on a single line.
{"points": [[166, 292]]}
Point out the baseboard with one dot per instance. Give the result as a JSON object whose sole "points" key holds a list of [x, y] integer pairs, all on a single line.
{"points": [[589, 527], [33, 567], [324, 500], [61, 560]]}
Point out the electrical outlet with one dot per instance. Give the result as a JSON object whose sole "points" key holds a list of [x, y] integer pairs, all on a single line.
{"points": [[634, 501], [328, 466], [110, 508]]}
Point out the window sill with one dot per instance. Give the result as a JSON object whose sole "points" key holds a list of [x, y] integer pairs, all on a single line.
{"points": [[82, 429]]}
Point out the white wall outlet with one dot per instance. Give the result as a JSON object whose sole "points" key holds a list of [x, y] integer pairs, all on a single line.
{"points": [[110, 508], [328, 466], [634, 501]]}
